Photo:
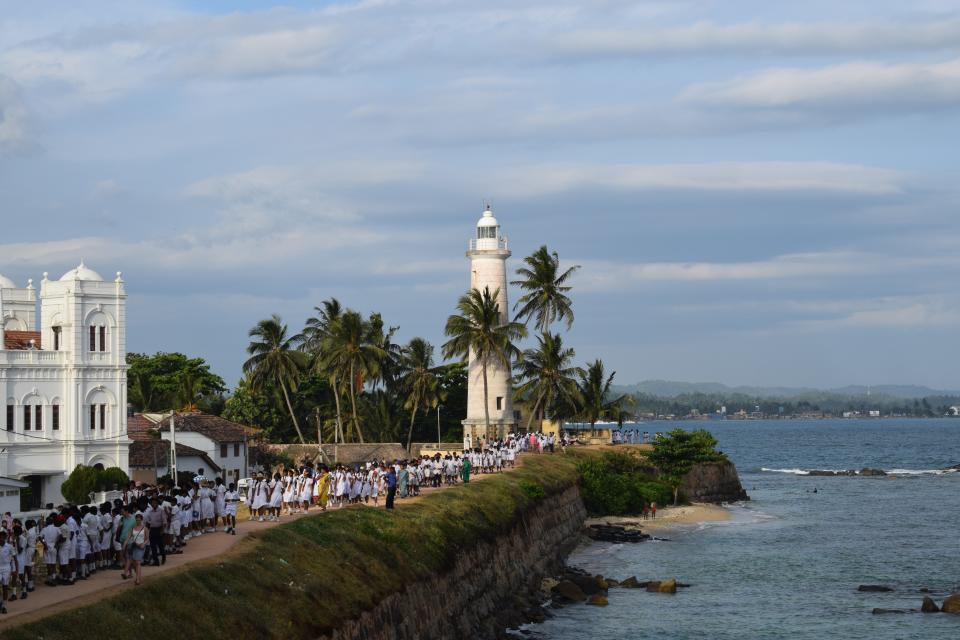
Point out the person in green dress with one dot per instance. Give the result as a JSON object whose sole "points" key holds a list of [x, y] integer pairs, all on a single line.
{"points": [[465, 473], [404, 479]]}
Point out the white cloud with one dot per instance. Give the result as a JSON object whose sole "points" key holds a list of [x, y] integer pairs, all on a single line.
{"points": [[721, 176], [811, 267], [13, 117], [767, 38], [868, 85]]}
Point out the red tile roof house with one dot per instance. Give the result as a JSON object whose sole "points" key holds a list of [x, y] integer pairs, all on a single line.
{"points": [[224, 442], [149, 454]]}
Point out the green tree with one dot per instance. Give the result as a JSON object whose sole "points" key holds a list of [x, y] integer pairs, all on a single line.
{"points": [[274, 360], [419, 380], [479, 328], [316, 335], [547, 377], [348, 351], [165, 381], [546, 290], [676, 452], [595, 390]]}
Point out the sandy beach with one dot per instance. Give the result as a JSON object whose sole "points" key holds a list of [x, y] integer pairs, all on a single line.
{"points": [[669, 516]]}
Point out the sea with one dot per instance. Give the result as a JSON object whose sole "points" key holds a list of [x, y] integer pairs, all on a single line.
{"points": [[788, 562]]}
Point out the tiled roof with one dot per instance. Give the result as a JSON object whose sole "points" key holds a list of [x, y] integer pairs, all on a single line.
{"points": [[18, 340], [138, 427], [214, 427], [150, 453]]}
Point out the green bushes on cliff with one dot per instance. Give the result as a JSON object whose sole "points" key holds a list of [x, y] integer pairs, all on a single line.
{"points": [[619, 484]]}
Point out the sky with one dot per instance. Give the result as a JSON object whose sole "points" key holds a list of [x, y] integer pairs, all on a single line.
{"points": [[757, 192]]}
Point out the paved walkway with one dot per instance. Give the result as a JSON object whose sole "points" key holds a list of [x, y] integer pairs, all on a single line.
{"points": [[45, 601]]}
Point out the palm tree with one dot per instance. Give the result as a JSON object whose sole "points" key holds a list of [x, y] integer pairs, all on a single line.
{"points": [[546, 375], [479, 329], [386, 370], [595, 402], [419, 379], [316, 331], [348, 351], [274, 359], [545, 298]]}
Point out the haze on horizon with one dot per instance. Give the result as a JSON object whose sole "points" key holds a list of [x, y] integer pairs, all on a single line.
{"points": [[759, 193]]}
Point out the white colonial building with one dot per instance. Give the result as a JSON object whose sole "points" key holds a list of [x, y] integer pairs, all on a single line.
{"points": [[64, 379], [488, 255]]}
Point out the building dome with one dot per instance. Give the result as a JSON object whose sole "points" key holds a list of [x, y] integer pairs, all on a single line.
{"points": [[6, 283], [487, 219], [82, 272]]}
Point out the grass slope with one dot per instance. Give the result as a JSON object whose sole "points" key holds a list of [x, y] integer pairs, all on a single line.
{"points": [[304, 578]]}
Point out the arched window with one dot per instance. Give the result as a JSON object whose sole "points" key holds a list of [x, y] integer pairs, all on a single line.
{"points": [[97, 325]]}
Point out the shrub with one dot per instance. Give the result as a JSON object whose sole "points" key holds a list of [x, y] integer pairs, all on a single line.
{"points": [[619, 484], [532, 490], [85, 480]]}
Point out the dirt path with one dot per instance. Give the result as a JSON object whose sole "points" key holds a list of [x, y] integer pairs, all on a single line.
{"points": [[46, 601]]}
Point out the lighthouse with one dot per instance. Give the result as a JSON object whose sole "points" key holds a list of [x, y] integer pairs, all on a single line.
{"points": [[488, 255]]}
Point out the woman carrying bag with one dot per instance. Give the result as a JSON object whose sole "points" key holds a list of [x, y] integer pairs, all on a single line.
{"points": [[135, 544]]}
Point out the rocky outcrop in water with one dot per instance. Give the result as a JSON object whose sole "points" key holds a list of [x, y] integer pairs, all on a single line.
{"points": [[929, 606], [615, 533], [714, 482], [951, 604], [874, 588]]}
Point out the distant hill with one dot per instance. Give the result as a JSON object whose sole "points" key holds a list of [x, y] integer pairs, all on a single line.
{"points": [[672, 389]]}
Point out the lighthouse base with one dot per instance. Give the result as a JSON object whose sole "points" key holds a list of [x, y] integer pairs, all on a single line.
{"points": [[476, 433]]}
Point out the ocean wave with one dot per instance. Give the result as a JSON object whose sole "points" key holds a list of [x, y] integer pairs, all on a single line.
{"points": [[889, 472], [919, 472], [796, 472]]}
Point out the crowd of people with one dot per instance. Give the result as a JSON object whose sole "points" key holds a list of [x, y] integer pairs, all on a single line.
{"points": [[148, 523]]}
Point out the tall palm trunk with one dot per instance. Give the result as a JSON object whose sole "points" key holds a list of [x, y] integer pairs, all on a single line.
{"points": [[353, 405], [534, 412], [296, 425], [336, 399], [486, 400], [413, 416]]}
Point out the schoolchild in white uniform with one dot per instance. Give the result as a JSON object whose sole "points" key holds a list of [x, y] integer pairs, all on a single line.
{"points": [[31, 535], [219, 503], [50, 534], [306, 490], [251, 496], [18, 539], [289, 491], [231, 499], [276, 497], [8, 567]]}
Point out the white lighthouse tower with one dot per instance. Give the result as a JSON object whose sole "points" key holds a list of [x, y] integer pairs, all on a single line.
{"points": [[488, 255]]}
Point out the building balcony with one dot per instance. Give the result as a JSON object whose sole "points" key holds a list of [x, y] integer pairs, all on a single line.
{"points": [[21, 357], [487, 244]]}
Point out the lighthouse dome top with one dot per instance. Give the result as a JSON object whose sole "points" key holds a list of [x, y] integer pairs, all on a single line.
{"points": [[487, 219], [6, 283], [82, 272]]}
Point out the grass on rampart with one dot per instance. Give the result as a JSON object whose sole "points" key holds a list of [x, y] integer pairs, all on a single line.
{"points": [[304, 578]]}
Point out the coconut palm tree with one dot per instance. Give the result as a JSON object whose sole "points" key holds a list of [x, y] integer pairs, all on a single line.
{"points": [[595, 402], [479, 329], [419, 379], [386, 371], [316, 331], [275, 359], [547, 376], [347, 351], [545, 298]]}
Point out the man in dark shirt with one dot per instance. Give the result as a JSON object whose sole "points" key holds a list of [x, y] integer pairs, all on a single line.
{"points": [[391, 486]]}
